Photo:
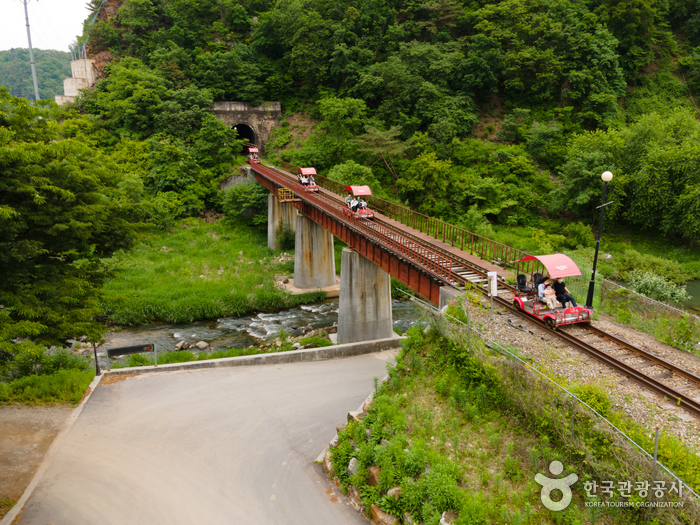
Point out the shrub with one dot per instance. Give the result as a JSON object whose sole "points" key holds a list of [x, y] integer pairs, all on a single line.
{"points": [[246, 202], [286, 238], [632, 260], [63, 386], [578, 234], [315, 342], [658, 287]]}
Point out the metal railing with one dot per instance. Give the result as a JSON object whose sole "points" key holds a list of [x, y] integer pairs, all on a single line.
{"points": [[421, 256], [472, 243]]}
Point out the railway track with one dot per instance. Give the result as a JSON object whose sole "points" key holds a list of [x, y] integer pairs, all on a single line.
{"points": [[462, 271], [653, 383]]}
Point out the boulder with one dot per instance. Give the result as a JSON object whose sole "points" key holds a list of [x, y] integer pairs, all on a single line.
{"points": [[448, 517], [383, 442], [334, 442], [340, 429], [373, 476], [356, 415], [353, 466], [297, 345], [327, 464], [278, 343], [365, 407], [394, 492], [607, 256], [202, 345], [382, 518], [180, 345], [408, 519], [355, 500]]}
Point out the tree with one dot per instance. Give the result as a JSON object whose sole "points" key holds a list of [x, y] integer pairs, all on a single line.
{"points": [[61, 212], [350, 173], [385, 144]]}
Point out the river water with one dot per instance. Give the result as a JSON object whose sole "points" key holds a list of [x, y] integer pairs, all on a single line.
{"points": [[692, 304], [241, 332]]}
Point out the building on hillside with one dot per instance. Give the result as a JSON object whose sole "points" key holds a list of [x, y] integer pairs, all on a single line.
{"points": [[84, 75]]}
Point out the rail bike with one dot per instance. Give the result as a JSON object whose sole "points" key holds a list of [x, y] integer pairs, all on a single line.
{"points": [[527, 298]]}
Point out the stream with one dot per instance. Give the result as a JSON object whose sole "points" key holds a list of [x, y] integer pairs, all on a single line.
{"points": [[241, 332]]}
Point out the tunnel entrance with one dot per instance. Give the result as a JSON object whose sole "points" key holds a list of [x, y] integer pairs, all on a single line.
{"points": [[246, 133]]}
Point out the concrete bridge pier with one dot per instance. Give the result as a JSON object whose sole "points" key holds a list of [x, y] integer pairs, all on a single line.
{"points": [[280, 215], [364, 313], [314, 258]]}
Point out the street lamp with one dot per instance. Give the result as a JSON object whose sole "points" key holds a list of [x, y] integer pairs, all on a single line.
{"points": [[607, 177]]}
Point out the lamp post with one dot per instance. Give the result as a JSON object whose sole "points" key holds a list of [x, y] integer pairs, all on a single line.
{"points": [[607, 177]]}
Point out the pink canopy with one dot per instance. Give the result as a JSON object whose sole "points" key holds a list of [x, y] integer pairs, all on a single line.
{"points": [[253, 150], [307, 171], [359, 190], [557, 264]]}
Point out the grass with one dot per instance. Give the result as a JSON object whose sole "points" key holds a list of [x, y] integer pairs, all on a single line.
{"points": [[6, 505], [445, 430], [185, 356], [194, 272], [63, 386]]}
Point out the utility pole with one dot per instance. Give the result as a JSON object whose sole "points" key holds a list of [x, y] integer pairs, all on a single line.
{"points": [[31, 52]]}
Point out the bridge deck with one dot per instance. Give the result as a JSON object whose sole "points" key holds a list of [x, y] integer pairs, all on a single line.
{"points": [[427, 239], [446, 248]]}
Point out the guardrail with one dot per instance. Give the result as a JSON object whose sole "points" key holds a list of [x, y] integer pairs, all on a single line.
{"points": [[421, 256], [482, 247]]}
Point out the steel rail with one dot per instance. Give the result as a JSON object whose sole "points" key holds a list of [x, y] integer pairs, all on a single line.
{"points": [[648, 382], [456, 260], [421, 256]]}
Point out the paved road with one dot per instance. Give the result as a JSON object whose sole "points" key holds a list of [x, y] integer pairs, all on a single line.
{"points": [[228, 446]]}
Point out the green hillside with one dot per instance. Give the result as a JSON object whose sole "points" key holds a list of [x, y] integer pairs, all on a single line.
{"points": [[508, 111], [497, 117], [51, 68]]}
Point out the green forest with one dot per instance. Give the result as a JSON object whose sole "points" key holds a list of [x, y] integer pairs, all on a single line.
{"points": [[498, 117], [51, 68]]}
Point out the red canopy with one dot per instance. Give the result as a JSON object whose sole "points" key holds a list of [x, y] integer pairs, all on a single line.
{"points": [[557, 264], [253, 150], [307, 171], [359, 190]]}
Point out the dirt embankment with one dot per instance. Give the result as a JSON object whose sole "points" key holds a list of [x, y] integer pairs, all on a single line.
{"points": [[26, 433]]}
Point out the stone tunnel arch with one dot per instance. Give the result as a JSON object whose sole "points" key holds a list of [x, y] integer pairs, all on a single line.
{"points": [[246, 133], [259, 120]]}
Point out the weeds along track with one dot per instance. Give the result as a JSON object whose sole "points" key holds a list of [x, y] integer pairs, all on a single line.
{"points": [[671, 381]]}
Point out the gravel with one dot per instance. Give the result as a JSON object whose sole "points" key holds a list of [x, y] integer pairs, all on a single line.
{"points": [[572, 365]]}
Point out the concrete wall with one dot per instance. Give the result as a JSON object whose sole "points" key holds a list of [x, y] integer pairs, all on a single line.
{"points": [[261, 119], [84, 76], [364, 313], [279, 215], [314, 258]]}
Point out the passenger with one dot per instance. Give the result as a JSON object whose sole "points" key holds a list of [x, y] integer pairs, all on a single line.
{"points": [[348, 200], [550, 297], [255, 156], [540, 290], [304, 180], [363, 204], [563, 294], [355, 204], [312, 181]]}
